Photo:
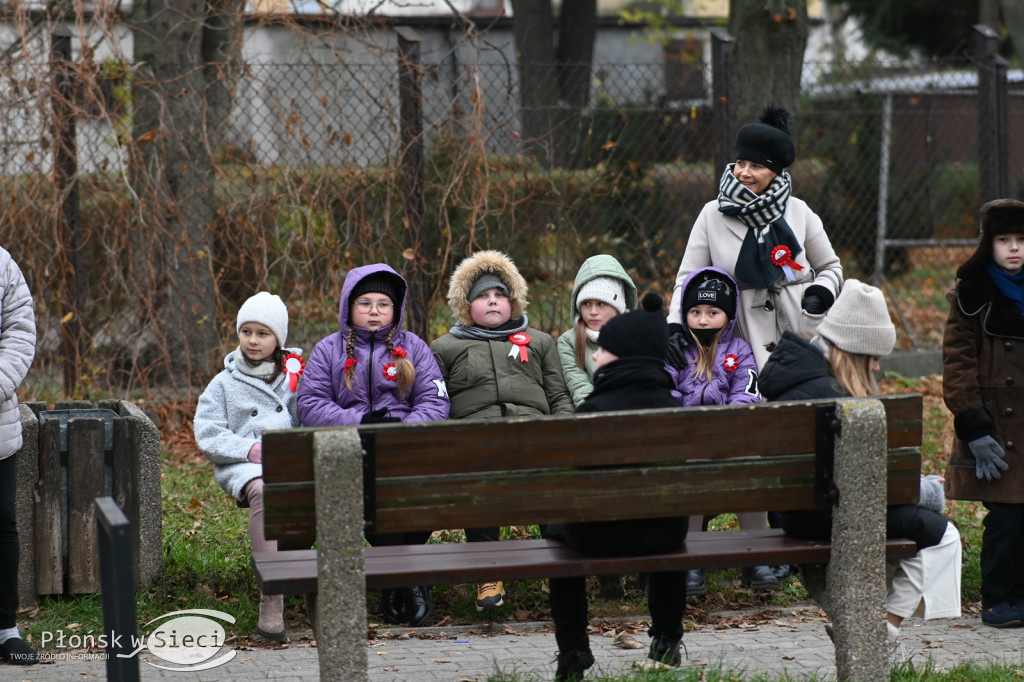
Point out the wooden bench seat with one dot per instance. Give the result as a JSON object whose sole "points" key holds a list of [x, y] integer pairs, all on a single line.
{"points": [[295, 571]]}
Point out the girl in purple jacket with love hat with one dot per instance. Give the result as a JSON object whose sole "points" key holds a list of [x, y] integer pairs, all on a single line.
{"points": [[371, 371], [720, 367], [720, 370]]}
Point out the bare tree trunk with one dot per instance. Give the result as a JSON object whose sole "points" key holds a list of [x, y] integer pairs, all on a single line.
{"points": [[768, 55], [222, 60], [173, 177], [538, 83], [576, 30]]}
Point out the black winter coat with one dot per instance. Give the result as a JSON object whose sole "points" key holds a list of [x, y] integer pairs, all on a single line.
{"points": [[797, 370], [631, 383]]}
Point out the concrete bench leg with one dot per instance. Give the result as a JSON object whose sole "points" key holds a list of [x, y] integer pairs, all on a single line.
{"points": [[856, 571], [341, 616]]}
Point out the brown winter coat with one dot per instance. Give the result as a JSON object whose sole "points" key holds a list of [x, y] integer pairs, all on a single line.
{"points": [[983, 384]]}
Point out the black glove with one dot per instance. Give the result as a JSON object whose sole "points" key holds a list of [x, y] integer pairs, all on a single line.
{"points": [[677, 343], [813, 304], [390, 420], [375, 417]]}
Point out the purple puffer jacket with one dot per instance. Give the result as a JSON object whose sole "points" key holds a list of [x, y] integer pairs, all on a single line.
{"points": [[323, 399], [734, 373]]}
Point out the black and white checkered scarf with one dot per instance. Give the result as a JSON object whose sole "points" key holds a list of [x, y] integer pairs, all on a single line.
{"points": [[763, 215]]}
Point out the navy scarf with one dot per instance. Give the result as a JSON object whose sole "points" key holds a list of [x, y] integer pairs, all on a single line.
{"points": [[1010, 286]]}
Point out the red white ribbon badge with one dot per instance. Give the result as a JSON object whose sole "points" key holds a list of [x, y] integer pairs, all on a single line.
{"points": [[293, 367], [731, 362], [519, 342], [783, 257], [391, 372]]}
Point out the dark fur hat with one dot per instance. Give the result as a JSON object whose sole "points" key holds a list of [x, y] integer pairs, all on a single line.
{"points": [[999, 216]]}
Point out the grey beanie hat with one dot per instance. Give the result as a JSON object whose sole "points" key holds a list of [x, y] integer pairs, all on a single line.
{"points": [[267, 309], [858, 322], [486, 281]]}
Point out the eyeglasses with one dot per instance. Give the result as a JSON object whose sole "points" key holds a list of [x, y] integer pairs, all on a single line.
{"points": [[365, 306]]}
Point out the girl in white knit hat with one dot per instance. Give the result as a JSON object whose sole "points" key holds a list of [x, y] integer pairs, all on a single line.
{"points": [[841, 361], [255, 392]]}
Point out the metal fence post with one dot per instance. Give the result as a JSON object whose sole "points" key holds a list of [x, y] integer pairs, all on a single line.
{"points": [[411, 113], [721, 86], [993, 126], [65, 180], [119, 616]]}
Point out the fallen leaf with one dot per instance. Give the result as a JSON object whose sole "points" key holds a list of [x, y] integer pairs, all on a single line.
{"points": [[624, 640]]}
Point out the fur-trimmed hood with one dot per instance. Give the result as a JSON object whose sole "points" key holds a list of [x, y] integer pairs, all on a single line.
{"points": [[471, 269]]}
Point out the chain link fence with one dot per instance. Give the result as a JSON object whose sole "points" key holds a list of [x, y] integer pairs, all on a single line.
{"points": [[311, 175]]}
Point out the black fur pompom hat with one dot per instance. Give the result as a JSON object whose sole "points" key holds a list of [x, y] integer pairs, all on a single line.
{"points": [[767, 142], [639, 333]]}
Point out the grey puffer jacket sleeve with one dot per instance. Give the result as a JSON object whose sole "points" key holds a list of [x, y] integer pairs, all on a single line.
{"points": [[17, 349]]}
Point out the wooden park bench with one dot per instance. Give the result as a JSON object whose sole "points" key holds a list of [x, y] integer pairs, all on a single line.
{"points": [[329, 485]]}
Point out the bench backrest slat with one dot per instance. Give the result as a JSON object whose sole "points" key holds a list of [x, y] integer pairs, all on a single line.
{"points": [[676, 461], [565, 495]]}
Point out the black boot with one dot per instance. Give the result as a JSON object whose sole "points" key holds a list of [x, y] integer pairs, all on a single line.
{"points": [[696, 582], [391, 606], [612, 586], [759, 578], [418, 606], [784, 571], [663, 654], [572, 664]]}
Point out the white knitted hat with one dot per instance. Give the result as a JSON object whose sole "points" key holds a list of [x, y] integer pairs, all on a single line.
{"points": [[267, 309], [858, 322], [606, 289]]}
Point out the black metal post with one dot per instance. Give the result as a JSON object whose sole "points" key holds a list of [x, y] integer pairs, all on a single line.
{"points": [[411, 113], [118, 585], [993, 162], [721, 90], [65, 172]]}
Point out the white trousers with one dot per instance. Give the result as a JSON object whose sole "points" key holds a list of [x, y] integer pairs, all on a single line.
{"points": [[928, 583]]}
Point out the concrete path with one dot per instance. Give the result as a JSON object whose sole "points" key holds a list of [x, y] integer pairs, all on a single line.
{"points": [[790, 641]]}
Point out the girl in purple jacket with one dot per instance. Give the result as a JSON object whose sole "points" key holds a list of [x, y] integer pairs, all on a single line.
{"points": [[371, 371], [719, 370]]}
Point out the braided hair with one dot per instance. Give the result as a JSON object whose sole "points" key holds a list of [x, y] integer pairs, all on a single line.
{"points": [[405, 369], [350, 350]]}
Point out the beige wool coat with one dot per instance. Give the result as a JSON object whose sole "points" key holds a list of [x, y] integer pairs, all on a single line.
{"points": [[762, 315]]}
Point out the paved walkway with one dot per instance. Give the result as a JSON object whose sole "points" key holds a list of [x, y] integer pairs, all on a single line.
{"points": [[771, 641]]}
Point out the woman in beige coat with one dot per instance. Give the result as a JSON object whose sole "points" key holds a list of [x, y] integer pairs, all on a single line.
{"points": [[776, 249]]}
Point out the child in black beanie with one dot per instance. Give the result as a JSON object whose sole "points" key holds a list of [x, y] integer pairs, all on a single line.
{"points": [[630, 375]]}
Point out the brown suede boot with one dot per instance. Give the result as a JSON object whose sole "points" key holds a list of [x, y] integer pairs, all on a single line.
{"points": [[271, 623]]}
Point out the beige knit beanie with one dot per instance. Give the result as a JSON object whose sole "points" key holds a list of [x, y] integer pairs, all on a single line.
{"points": [[858, 322]]}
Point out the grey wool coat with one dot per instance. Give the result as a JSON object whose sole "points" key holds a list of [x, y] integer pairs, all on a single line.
{"points": [[232, 414], [17, 349]]}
